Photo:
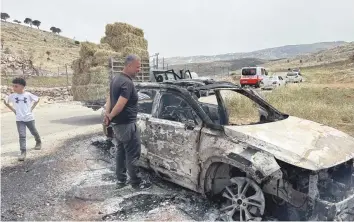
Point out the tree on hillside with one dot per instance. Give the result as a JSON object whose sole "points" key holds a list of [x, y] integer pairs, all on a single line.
{"points": [[36, 23], [17, 21], [28, 21], [58, 30], [4, 16], [53, 29]]}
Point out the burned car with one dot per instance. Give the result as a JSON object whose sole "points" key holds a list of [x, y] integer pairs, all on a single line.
{"points": [[274, 163]]}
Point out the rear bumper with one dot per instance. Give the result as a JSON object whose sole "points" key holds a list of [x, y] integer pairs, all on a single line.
{"points": [[325, 210], [250, 81], [293, 80], [270, 86]]}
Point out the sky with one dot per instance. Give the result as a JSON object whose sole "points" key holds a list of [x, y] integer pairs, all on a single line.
{"points": [[197, 27]]}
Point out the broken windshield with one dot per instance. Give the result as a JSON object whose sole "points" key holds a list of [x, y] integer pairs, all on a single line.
{"points": [[241, 107]]}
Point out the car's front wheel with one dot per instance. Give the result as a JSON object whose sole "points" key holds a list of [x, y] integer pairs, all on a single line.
{"points": [[244, 200]]}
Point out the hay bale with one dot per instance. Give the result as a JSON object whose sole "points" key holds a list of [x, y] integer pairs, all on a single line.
{"points": [[125, 40], [143, 54], [104, 46], [120, 28], [99, 75], [95, 75], [81, 79], [82, 65], [91, 92], [101, 57], [87, 49]]}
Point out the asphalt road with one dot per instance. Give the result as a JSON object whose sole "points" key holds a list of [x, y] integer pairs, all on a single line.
{"points": [[55, 123]]}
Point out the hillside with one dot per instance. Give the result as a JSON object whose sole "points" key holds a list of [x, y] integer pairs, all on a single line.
{"points": [[287, 51], [334, 65], [218, 67], [21, 42], [323, 57]]}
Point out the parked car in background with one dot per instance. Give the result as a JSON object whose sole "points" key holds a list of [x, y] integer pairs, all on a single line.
{"points": [[273, 82], [293, 77], [297, 70], [252, 76]]}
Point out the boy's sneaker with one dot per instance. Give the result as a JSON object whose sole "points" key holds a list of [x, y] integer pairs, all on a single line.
{"points": [[121, 184], [143, 185], [38, 146], [22, 157]]}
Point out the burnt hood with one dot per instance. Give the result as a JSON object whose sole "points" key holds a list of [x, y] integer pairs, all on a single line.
{"points": [[297, 141]]}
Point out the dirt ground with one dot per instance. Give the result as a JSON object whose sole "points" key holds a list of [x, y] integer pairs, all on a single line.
{"points": [[70, 179], [76, 182]]}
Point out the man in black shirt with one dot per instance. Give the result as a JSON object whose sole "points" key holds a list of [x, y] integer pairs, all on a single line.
{"points": [[121, 112]]}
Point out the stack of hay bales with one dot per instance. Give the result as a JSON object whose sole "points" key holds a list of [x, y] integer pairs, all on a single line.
{"points": [[91, 70], [91, 74], [126, 39]]}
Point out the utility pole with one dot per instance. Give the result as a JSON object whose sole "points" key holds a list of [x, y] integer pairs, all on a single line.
{"points": [[157, 60], [154, 63]]}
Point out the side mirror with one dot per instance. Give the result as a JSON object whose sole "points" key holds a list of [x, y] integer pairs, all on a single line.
{"points": [[189, 124]]}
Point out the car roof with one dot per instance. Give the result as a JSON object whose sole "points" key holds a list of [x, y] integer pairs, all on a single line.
{"points": [[190, 85]]}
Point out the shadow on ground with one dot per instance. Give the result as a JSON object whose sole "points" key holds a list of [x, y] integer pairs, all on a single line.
{"points": [[80, 120]]}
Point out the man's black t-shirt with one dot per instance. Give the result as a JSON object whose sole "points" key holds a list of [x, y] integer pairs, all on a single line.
{"points": [[122, 85]]}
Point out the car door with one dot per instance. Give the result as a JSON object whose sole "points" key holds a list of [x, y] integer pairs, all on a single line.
{"points": [[172, 140], [146, 99]]}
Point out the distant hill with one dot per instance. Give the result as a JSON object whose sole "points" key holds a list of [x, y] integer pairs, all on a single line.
{"points": [[287, 51], [337, 54], [23, 41], [218, 67], [334, 65]]}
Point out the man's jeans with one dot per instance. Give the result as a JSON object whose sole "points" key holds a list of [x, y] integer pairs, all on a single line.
{"points": [[128, 151], [21, 127]]}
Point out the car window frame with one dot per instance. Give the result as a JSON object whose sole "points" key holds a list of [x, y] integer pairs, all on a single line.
{"points": [[142, 90], [158, 101]]}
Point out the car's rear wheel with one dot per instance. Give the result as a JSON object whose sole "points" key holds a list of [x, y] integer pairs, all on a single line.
{"points": [[244, 200]]}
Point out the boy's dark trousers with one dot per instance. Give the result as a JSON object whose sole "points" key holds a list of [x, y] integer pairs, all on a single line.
{"points": [[21, 127]]}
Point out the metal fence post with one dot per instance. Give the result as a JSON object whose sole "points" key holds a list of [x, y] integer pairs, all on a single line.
{"points": [[67, 76]]}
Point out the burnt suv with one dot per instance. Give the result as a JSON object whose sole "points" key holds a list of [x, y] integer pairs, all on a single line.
{"points": [[275, 164]]}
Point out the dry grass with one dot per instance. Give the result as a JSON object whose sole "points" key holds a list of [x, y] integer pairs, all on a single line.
{"points": [[333, 73], [31, 42], [332, 106], [41, 81], [241, 109]]}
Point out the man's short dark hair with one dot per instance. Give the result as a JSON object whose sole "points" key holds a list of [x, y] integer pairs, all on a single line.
{"points": [[130, 58], [20, 81]]}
